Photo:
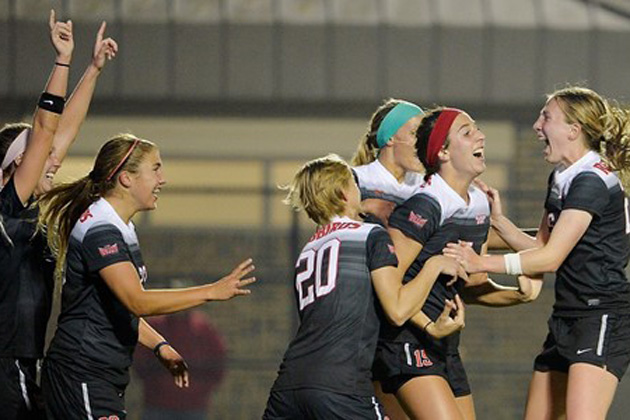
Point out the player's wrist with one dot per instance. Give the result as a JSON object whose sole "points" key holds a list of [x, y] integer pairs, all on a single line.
{"points": [[158, 347]]}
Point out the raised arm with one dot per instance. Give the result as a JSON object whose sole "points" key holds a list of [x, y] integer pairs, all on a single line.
{"points": [[122, 278], [78, 104], [47, 115]]}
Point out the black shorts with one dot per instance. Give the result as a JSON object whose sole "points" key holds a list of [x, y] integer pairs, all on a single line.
{"points": [[315, 404], [396, 363], [68, 398], [20, 397], [600, 340]]}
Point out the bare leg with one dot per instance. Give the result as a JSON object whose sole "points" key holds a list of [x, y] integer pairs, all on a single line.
{"points": [[466, 406], [590, 392], [546, 396], [428, 398], [393, 410]]}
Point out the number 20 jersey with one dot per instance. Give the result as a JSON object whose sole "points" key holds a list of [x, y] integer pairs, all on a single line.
{"points": [[334, 347]]}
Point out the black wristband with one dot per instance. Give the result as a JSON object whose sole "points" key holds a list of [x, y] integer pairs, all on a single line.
{"points": [[57, 63], [52, 103], [156, 349]]}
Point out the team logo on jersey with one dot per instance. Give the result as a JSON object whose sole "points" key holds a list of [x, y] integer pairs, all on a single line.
{"points": [[86, 215], [112, 417], [391, 248], [379, 193], [480, 218], [417, 220], [108, 250], [602, 167]]}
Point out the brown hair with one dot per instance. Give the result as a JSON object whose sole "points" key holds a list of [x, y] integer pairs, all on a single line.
{"points": [[64, 204], [422, 140], [317, 188]]}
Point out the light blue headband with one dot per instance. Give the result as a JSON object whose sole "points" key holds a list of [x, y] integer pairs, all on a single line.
{"points": [[396, 118]]}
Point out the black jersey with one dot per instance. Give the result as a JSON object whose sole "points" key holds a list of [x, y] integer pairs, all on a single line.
{"points": [[434, 217], [335, 343], [96, 333], [25, 278], [592, 277]]}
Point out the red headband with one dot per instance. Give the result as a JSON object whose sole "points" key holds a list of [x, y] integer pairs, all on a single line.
{"points": [[440, 132], [123, 160]]}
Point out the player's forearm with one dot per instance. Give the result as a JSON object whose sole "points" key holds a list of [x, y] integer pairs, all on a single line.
{"points": [[75, 112], [512, 235], [161, 302], [147, 335]]}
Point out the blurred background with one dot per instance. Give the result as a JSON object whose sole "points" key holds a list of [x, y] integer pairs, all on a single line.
{"points": [[239, 93]]}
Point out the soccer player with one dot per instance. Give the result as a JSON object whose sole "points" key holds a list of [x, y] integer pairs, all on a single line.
{"points": [[24, 156], [583, 238], [86, 369], [342, 271], [386, 164], [412, 362]]}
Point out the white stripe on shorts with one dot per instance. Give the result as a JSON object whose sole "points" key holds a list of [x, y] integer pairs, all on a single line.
{"points": [[27, 400], [86, 401], [378, 412], [602, 334], [408, 354]]}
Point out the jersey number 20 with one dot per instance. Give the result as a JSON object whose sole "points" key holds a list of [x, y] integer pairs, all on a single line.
{"points": [[317, 279]]}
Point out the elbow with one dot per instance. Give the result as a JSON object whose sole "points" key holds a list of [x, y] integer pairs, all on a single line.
{"points": [[139, 307], [396, 318]]}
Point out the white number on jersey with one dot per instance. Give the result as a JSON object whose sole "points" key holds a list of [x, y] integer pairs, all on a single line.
{"points": [[316, 280]]}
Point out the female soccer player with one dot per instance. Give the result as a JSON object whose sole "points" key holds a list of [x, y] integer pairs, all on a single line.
{"points": [[426, 373], [86, 369], [386, 163], [18, 370], [583, 238], [325, 373]]}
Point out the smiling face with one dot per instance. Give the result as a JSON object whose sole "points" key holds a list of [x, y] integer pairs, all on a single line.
{"points": [[466, 148], [51, 167], [404, 146], [147, 181], [552, 128]]}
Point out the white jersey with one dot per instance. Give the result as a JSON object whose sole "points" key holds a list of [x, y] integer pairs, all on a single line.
{"points": [[375, 181]]}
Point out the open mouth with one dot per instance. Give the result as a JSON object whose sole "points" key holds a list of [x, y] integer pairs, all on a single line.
{"points": [[479, 153]]}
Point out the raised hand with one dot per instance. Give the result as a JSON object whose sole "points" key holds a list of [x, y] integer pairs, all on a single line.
{"points": [[175, 364], [104, 48], [61, 38], [493, 197], [232, 285]]}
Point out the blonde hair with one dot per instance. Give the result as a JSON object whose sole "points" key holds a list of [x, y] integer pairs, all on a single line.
{"points": [[64, 204], [367, 150], [606, 126], [317, 188]]}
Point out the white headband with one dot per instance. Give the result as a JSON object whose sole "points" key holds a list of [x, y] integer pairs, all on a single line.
{"points": [[18, 146]]}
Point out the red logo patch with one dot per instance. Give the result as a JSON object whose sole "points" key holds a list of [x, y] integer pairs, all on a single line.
{"points": [[86, 215], [391, 248], [602, 167], [108, 250], [481, 218], [417, 220]]}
